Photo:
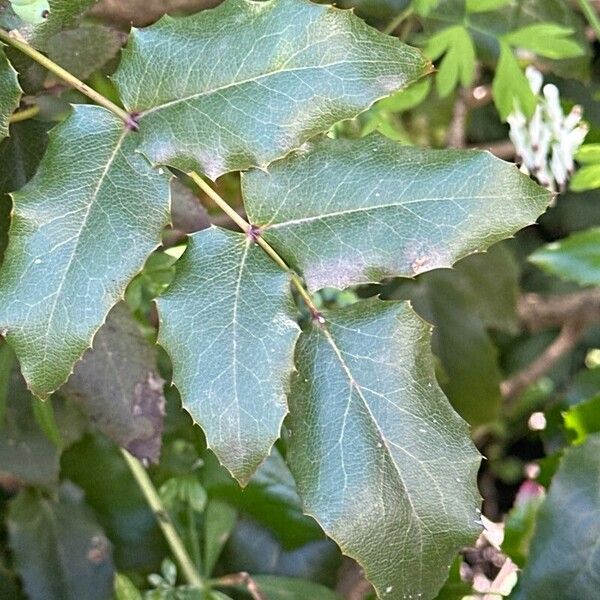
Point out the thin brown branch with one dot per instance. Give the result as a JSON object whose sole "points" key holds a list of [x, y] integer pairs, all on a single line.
{"points": [[565, 341], [241, 579], [457, 129], [573, 313]]}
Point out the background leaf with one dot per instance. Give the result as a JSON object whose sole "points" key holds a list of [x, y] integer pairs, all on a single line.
{"points": [[60, 551], [226, 322], [381, 460], [240, 103], [77, 237], [10, 93], [563, 559], [351, 211], [117, 386]]}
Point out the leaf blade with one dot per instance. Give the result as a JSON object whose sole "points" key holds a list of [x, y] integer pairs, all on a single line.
{"points": [[257, 101], [243, 346], [75, 234], [365, 395], [10, 93], [353, 211]]}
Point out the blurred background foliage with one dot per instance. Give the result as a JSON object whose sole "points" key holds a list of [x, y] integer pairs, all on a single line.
{"points": [[516, 338]]}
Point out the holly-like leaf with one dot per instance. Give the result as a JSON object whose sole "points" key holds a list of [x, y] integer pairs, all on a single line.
{"points": [[563, 557], [227, 323], [245, 83], [575, 258], [10, 93], [352, 211], [60, 551], [117, 386], [382, 461], [81, 229], [62, 14]]}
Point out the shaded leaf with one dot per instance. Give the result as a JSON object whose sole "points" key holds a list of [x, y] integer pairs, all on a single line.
{"points": [[10, 93], [219, 520], [187, 212], [227, 323], [81, 229], [381, 459], [574, 258], [475, 6], [353, 211], [563, 558], [118, 387], [83, 50], [63, 14], [240, 102], [583, 419], [60, 551]]}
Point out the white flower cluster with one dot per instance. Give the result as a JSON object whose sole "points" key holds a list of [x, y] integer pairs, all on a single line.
{"points": [[546, 144]]}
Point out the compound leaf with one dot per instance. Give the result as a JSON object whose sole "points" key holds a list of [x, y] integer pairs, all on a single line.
{"points": [[10, 93], [246, 82], [353, 211], [81, 229], [227, 322], [381, 460]]}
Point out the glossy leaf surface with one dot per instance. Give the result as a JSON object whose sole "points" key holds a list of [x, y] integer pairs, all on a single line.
{"points": [[381, 459], [257, 80]]}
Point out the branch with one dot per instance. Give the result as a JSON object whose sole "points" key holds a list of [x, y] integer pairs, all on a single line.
{"points": [[457, 130], [242, 578], [573, 313]]}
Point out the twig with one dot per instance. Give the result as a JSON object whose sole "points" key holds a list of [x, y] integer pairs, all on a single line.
{"points": [[164, 520], [590, 14], [23, 115], [565, 341], [237, 579], [457, 130], [395, 22], [573, 313]]}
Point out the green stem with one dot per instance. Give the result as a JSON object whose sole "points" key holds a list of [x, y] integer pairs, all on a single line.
{"points": [[162, 516], [193, 537], [66, 76], [23, 115], [250, 231], [591, 16], [393, 25]]}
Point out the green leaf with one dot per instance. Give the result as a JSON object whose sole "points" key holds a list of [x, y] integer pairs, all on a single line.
{"points": [[81, 229], [477, 6], [586, 178], [424, 7], [563, 558], [31, 11], [588, 153], [583, 419], [10, 93], [292, 588], [459, 60], [381, 460], [510, 86], [352, 211], [124, 588], [227, 323], [63, 14], [545, 39], [259, 80], [218, 523], [574, 258], [60, 551], [118, 387]]}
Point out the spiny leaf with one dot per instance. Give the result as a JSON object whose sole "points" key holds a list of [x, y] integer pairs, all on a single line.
{"points": [[226, 322], [381, 459], [352, 211], [117, 385], [81, 229], [10, 93], [60, 551], [247, 82], [563, 556], [62, 14], [575, 258]]}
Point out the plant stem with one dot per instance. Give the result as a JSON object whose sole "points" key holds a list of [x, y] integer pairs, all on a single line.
{"points": [[65, 76], [162, 516], [252, 232], [393, 25], [23, 115], [591, 16]]}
